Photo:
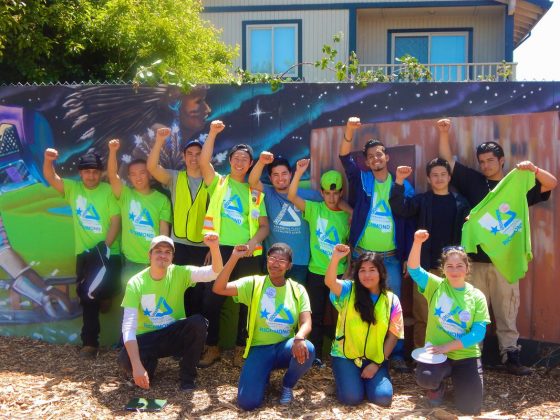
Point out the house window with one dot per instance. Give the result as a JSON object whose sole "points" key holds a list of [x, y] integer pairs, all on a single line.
{"points": [[272, 48], [446, 53]]}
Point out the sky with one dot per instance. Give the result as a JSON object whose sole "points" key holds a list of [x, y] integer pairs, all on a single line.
{"points": [[537, 57]]}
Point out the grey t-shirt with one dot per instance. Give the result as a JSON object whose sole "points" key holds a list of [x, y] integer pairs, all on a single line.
{"points": [[194, 185]]}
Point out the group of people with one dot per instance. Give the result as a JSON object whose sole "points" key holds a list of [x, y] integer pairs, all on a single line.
{"points": [[317, 248]]}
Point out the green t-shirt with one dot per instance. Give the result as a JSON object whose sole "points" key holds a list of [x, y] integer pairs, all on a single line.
{"points": [[327, 228], [379, 234], [278, 311], [451, 313], [500, 224], [91, 213], [140, 215], [234, 229], [159, 302]]}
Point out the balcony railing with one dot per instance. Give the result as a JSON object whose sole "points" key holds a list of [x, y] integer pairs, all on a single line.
{"points": [[456, 72]]}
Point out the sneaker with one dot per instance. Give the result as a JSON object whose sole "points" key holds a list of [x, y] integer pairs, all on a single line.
{"points": [[238, 356], [286, 396], [400, 366], [88, 352], [318, 363], [435, 396], [187, 385], [514, 366], [210, 356]]}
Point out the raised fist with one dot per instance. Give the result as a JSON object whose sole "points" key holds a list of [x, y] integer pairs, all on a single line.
{"points": [[162, 134], [114, 145], [302, 165], [340, 251], [211, 240], [353, 123], [240, 251], [403, 172], [421, 235], [266, 157], [444, 125], [51, 154], [216, 127]]}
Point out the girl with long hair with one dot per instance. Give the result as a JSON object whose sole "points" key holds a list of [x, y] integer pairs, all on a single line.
{"points": [[369, 324]]}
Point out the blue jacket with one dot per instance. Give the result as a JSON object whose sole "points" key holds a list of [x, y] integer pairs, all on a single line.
{"points": [[362, 184]]}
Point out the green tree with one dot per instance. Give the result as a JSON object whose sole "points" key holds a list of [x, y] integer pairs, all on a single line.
{"points": [[97, 40]]}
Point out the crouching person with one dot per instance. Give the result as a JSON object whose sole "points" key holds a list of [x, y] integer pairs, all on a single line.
{"points": [[369, 324], [279, 321], [154, 323]]}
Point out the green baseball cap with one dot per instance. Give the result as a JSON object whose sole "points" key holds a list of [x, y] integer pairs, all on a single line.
{"points": [[331, 180]]}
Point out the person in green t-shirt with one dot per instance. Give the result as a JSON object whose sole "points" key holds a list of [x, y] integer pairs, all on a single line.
{"points": [[145, 212], [457, 319], [279, 321], [154, 323], [238, 214], [329, 226], [96, 217]]}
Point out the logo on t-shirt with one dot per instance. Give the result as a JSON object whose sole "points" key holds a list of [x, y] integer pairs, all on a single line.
{"points": [[159, 313], [287, 220], [452, 319], [279, 319], [142, 223], [88, 215], [233, 208], [505, 222], [380, 217], [327, 237]]}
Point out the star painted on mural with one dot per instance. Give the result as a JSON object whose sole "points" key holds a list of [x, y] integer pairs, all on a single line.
{"points": [[438, 312], [257, 113], [495, 230], [264, 313]]}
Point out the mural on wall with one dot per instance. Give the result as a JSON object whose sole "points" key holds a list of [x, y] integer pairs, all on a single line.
{"points": [[297, 121]]}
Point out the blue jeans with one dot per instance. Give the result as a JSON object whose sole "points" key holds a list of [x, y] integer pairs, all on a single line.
{"points": [[351, 387], [260, 362], [394, 281]]}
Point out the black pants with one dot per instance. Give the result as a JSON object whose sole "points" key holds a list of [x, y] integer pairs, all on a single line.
{"points": [[91, 309], [466, 375], [212, 303], [191, 255], [318, 297], [182, 338]]}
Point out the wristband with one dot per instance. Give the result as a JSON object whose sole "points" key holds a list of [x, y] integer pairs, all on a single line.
{"points": [[346, 140]]}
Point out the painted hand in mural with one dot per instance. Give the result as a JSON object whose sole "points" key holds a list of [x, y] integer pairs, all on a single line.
{"points": [[444, 125], [114, 145], [51, 155], [340, 251], [266, 158], [302, 165], [402, 173], [421, 236], [216, 127], [369, 371]]}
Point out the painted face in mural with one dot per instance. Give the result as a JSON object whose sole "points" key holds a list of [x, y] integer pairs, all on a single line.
{"points": [[439, 179], [194, 110], [491, 166], [369, 276], [91, 178], [139, 176], [455, 266], [161, 256], [280, 177], [377, 159], [332, 198], [192, 157], [240, 162], [277, 263]]}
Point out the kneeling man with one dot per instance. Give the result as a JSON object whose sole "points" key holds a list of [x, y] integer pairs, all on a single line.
{"points": [[154, 323]]}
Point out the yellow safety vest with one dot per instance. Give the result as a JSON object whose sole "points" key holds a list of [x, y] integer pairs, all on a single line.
{"points": [[360, 340], [256, 293], [213, 219], [188, 216]]}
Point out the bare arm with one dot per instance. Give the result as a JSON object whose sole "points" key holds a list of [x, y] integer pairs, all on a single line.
{"points": [[443, 126], [255, 176], [49, 172], [346, 144], [139, 373], [389, 344], [159, 172], [212, 241], [301, 167], [164, 228], [221, 285], [331, 281], [420, 236], [547, 180], [260, 235], [208, 172], [113, 168], [114, 229]]}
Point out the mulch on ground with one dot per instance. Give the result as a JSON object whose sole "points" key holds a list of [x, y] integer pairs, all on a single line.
{"points": [[41, 380]]}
